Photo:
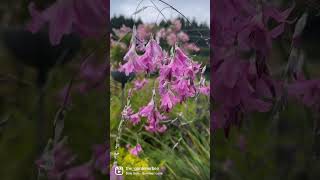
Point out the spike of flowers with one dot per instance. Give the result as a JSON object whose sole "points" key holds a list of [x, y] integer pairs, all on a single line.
{"points": [[176, 81], [243, 85]]}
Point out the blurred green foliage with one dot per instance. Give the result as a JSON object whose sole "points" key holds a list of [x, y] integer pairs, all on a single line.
{"points": [[265, 148]]}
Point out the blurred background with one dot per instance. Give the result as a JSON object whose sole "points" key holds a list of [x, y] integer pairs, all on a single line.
{"points": [[270, 145], [34, 81]]}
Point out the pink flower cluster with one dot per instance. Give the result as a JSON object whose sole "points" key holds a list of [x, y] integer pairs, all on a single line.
{"points": [[241, 78], [172, 35], [240, 75], [177, 81], [120, 33], [154, 117], [86, 17], [148, 62]]}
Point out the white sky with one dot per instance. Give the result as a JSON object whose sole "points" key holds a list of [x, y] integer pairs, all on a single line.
{"points": [[198, 9]]}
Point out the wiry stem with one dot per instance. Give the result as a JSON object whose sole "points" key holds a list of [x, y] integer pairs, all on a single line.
{"points": [[189, 22]]}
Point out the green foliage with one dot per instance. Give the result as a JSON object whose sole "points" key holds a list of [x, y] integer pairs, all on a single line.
{"points": [[184, 149], [85, 123]]}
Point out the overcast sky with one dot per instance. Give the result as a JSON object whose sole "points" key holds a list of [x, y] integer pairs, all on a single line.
{"points": [[198, 9]]}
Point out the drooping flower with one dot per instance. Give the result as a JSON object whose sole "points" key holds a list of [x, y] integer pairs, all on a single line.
{"points": [[154, 122], [128, 114], [86, 17], [140, 84], [182, 36], [192, 70], [133, 63], [148, 109], [177, 76], [135, 118], [180, 73], [205, 90], [176, 67], [240, 89], [255, 36], [184, 88], [60, 15], [152, 57], [135, 150], [154, 117], [243, 85], [168, 100]]}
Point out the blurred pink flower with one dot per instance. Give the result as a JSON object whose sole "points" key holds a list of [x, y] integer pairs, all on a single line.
{"points": [[135, 150], [140, 84], [255, 36], [161, 34], [172, 39], [60, 15], [120, 33], [176, 25], [92, 76], [191, 47], [144, 31], [87, 18], [205, 90], [243, 85], [182, 36]]}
